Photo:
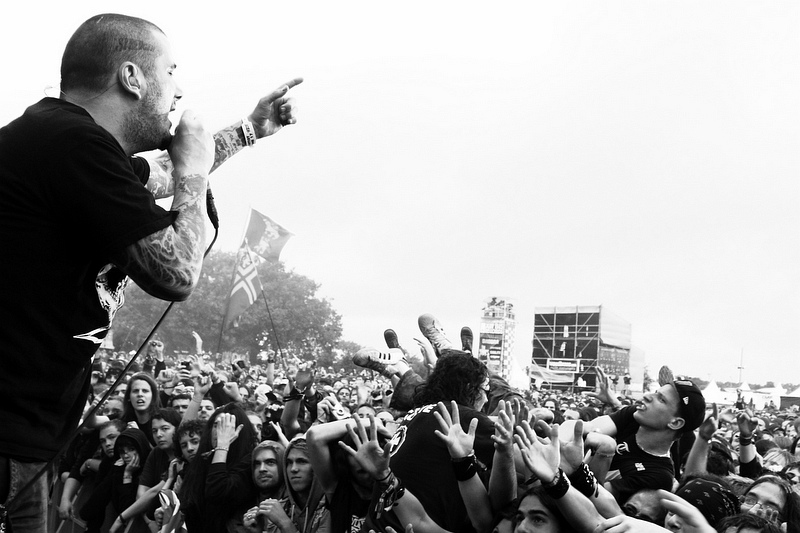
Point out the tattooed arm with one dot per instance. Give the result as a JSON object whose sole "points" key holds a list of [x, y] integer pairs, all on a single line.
{"points": [[272, 113], [166, 264]]}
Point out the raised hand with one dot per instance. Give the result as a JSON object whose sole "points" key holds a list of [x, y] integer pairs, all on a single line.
{"points": [[227, 430], [275, 110], [504, 427], [572, 451], [459, 444], [709, 425], [303, 379], [542, 456], [368, 452], [746, 424], [603, 392], [520, 411]]}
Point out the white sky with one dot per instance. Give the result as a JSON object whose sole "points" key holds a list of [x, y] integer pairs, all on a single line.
{"points": [[638, 155]]}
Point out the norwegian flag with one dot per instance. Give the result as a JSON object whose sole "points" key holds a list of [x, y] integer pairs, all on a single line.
{"points": [[246, 286]]}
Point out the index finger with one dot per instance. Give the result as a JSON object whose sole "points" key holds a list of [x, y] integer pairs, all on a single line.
{"points": [[283, 89], [293, 83]]}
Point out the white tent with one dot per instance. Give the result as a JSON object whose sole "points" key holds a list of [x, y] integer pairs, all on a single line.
{"points": [[713, 394]]}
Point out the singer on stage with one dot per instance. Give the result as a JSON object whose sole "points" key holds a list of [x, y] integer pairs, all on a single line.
{"points": [[78, 218]]}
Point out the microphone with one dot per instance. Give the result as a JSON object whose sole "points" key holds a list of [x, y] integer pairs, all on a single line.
{"points": [[211, 207], [213, 216]]}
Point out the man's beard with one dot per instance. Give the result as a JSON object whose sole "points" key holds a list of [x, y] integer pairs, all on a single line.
{"points": [[146, 128]]}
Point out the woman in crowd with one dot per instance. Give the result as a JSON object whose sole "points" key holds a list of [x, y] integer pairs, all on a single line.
{"points": [[141, 402]]}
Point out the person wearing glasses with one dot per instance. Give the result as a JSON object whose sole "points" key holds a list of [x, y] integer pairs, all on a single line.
{"points": [[771, 497]]}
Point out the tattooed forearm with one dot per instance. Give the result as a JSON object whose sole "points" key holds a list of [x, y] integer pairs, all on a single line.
{"points": [[167, 263], [228, 142], [160, 182]]}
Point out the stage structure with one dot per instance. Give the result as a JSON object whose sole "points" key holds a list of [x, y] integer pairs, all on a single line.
{"points": [[496, 340], [569, 343]]}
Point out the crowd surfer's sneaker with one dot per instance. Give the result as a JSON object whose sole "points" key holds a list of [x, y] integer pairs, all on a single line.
{"points": [[391, 338], [388, 363], [665, 375], [432, 329], [466, 339]]}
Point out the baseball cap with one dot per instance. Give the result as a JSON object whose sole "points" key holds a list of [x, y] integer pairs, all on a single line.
{"points": [[691, 403]]}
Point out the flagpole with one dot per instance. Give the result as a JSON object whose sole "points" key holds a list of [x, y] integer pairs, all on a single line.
{"points": [[222, 322], [272, 323], [266, 304]]}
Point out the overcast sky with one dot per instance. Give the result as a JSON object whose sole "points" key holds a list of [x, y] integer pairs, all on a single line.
{"points": [[642, 156]]}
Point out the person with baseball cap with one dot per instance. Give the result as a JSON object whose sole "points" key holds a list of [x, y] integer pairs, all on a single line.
{"points": [[644, 433]]}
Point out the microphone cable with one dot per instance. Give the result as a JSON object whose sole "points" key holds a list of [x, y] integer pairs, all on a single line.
{"points": [[213, 216]]}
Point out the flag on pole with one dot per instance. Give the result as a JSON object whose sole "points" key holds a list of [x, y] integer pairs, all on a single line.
{"points": [[265, 237], [246, 286]]}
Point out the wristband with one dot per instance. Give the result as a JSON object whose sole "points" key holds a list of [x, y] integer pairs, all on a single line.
{"points": [[249, 132], [745, 441], [294, 394], [464, 467], [557, 488], [389, 496], [387, 479], [584, 481]]}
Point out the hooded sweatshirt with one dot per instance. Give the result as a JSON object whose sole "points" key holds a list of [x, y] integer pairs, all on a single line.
{"points": [[124, 494], [112, 489], [314, 517]]}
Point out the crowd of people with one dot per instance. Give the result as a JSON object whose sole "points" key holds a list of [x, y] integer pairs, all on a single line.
{"points": [[437, 444], [430, 442]]}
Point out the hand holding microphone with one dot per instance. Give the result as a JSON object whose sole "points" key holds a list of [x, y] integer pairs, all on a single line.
{"points": [[192, 147]]}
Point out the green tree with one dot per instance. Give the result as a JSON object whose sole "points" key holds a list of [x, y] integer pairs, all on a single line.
{"points": [[305, 325]]}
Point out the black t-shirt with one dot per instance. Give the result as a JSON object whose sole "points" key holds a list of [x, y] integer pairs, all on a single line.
{"points": [[348, 509], [421, 460], [637, 468], [69, 198]]}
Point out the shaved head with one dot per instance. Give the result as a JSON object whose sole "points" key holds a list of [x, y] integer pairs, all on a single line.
{"points": [[101, 44]]}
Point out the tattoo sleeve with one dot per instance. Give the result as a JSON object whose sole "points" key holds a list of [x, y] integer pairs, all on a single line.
{"points": [[167, 263], [228, 142], [160, 182]]}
